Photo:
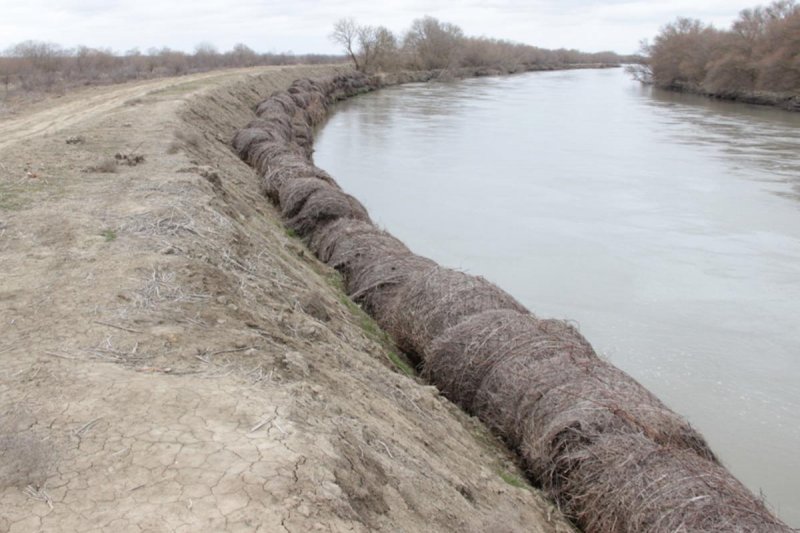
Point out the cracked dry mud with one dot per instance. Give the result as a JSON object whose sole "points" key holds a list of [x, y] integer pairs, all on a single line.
{"points": [[171, 360]]}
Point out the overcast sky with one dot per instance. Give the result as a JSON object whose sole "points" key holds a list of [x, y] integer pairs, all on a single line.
{"points": [[303, 25]]}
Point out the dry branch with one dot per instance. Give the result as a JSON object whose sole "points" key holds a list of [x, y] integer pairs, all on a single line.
{"points": [[432, 301]]}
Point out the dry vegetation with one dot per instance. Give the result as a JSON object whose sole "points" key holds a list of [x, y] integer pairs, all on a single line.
{"points": [[32, 69], [760, 52], [41, 67], [172, 359], [612, 456], [431, 44]]}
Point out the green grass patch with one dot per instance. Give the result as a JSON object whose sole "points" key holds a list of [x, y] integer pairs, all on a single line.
{"points": [[109, 235], [371, 328], [10, 201], [335, 280], [290, 233], [16, 196], [513, 480], [400, 364]]}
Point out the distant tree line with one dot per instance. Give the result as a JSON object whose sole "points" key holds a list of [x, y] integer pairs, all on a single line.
{"points": [[432, 44], [34, 66], [760, 52]]}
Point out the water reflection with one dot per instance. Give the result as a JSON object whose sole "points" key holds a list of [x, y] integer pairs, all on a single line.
{"points": [[745, 135]]}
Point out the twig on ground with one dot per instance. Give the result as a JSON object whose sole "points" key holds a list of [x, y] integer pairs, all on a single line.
{"points": [[233, 350], [62, 356], [86, 427], [117, 327], [385, 447], [38, 494], [261, 424]]}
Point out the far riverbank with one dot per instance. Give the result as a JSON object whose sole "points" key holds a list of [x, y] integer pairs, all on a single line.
{"points": [[782, 100]]}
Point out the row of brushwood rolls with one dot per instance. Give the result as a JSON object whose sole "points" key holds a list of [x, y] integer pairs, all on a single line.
{"points": [[612, 456]]}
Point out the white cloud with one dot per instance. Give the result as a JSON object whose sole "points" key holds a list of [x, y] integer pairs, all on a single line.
{"points": [[303, 25]]}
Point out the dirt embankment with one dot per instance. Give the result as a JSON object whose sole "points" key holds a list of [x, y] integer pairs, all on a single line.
{"points": [[172, 360]]}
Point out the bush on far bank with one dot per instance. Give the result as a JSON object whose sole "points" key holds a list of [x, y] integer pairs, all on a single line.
{"points": [[431, 44], [760, 52]]}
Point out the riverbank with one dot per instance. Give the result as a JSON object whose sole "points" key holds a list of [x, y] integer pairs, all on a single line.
{"points": [[786, 101], [438, 315], [174, 360], [421, 76]]}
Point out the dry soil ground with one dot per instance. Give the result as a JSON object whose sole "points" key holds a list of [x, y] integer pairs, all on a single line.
{"points": [[172, 360]]}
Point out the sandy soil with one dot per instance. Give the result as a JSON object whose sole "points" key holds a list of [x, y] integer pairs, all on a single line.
{"points": [[172, 360]]}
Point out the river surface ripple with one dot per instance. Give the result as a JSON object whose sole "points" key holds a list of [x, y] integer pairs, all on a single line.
{"points": [[667, 226]]}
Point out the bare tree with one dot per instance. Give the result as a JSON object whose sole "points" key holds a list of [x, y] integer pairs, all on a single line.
{"points": [[243, 56], [761, 51], [641, 71], [369, 47], [377, 46], [345, 33], [680, 53], [7, 72], [434, 44], [385, 49], [205, 56]]}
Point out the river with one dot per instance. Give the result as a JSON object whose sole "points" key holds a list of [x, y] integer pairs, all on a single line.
{"points": [[666, 226]]}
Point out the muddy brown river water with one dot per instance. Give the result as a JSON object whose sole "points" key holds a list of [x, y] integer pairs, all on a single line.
{"points": [[667, 226]]}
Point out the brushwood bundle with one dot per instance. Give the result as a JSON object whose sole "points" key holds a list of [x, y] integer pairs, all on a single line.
{"points": [[611, 454]]}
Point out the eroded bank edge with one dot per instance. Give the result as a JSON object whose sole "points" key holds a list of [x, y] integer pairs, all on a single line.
{"points": [[603, 447]]}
